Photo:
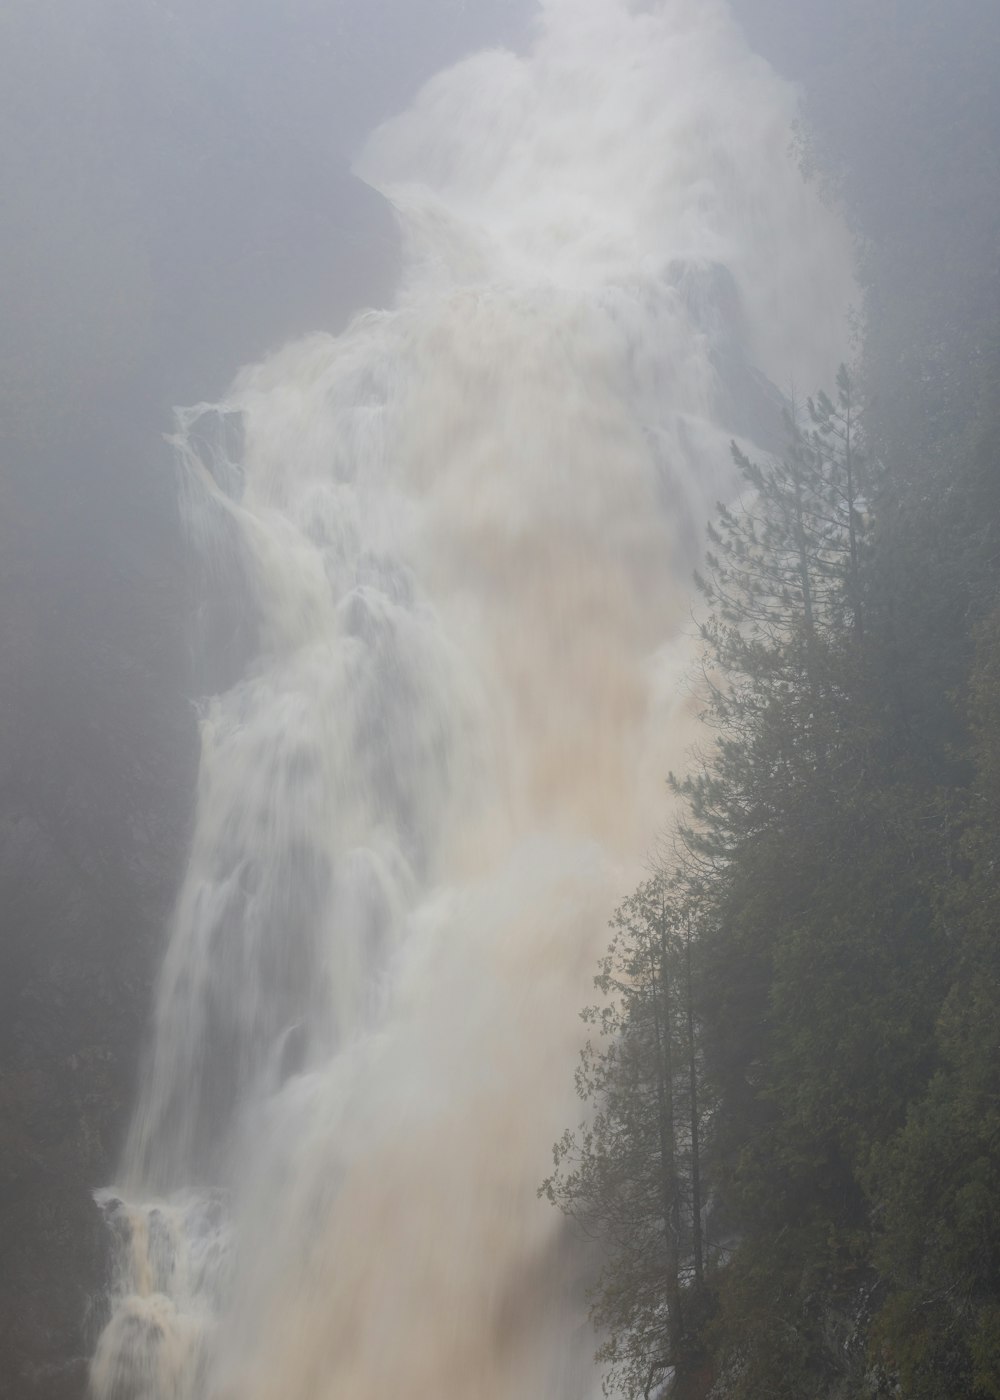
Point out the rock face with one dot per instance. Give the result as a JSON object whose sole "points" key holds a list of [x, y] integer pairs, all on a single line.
{"points": [[97, 762], [155, 242]]}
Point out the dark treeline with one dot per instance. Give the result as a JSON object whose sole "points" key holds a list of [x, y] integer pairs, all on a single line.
{"points": [[793, 1149]]}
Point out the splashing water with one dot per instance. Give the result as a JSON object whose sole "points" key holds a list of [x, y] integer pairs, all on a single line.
{"points": [[467, 525]]}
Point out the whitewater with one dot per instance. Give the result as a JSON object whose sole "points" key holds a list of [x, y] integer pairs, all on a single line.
{"points": [[467, 526]]}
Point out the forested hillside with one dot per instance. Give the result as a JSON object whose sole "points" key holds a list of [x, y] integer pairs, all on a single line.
{"points": [[793, 1145]]}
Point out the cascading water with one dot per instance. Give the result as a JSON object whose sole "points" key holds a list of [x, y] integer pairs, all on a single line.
{"points": [[467, 526]]}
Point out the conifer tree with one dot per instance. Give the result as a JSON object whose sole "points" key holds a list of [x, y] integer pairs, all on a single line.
{"points": [[630, 1174]]}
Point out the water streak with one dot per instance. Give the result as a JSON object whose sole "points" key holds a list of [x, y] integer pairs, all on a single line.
{"points": [[466, 526]]}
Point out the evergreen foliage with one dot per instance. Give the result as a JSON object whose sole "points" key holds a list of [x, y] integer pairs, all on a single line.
{"points": [[631, 1173], [792, 1154], [835, 891]]}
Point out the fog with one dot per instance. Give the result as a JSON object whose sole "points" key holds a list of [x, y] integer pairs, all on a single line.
{"points": [[441, 552]]}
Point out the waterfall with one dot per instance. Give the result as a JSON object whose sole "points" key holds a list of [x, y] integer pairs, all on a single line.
{"points": [[466, 527]]}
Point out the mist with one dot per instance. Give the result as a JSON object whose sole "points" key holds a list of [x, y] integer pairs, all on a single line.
{"points": [[370, 373]]}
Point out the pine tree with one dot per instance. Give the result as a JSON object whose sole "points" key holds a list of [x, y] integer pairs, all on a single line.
{"points": [[936, 1182], [630, 1174]]}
